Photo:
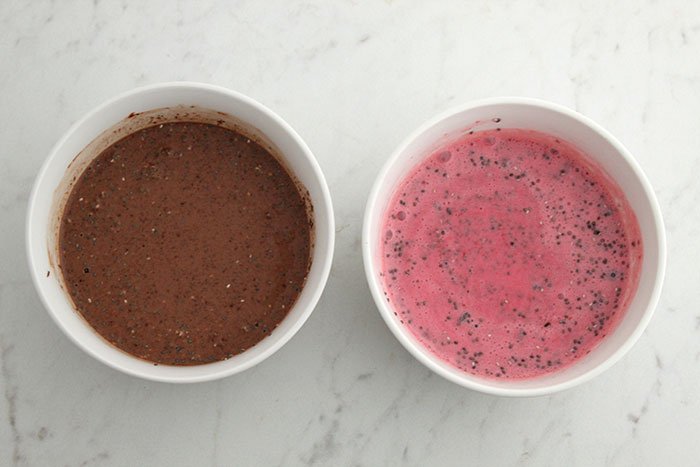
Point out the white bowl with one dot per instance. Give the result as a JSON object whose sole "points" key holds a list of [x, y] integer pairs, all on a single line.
{"points": [[601, 146], [109, 122]]}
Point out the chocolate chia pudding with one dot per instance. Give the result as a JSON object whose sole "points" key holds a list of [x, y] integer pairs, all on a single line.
{"points": [[185, 243]]}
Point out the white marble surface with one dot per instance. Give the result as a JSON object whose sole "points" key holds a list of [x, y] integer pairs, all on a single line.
{"points": [[353, 78]]}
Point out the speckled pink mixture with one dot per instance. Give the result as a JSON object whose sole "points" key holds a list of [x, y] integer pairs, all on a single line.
{"points": [[509, 254]]}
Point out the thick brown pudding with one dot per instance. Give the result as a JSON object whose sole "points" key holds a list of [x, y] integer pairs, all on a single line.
{"points": [[185, 243]]}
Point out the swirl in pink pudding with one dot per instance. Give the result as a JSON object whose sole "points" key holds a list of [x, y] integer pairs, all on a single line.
{"points": [[509, 253]]}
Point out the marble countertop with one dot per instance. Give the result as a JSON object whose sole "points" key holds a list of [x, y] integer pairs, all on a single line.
{"points": [[353, 78]]}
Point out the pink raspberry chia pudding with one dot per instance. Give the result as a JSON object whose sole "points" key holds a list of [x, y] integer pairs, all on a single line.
{"points": [[509, 253]]}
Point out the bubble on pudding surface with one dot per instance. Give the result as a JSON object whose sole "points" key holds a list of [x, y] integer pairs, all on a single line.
{"points": [[401, 215], [388, 234], [445, 156]]}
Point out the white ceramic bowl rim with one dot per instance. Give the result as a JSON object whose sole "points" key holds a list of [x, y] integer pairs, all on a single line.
{"points": [[320, 267], [420, 352]]}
